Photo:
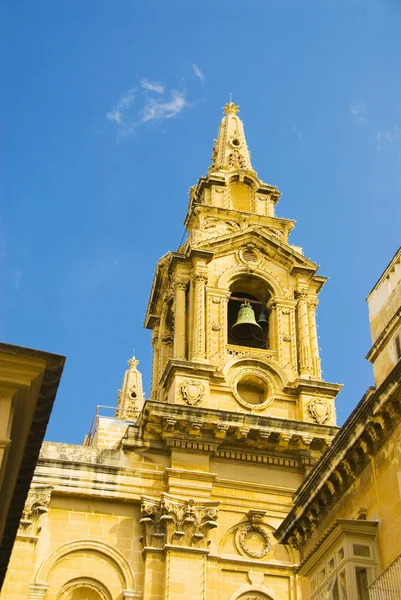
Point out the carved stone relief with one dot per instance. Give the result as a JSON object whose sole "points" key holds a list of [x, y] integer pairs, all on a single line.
{"points": [[36, 505], [319, 410], [192, 391], [253, 539], [170, 521]]}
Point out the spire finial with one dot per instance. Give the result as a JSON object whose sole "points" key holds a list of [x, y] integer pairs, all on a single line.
{"points": [[133, 362], [231, 97], [230, 108]]}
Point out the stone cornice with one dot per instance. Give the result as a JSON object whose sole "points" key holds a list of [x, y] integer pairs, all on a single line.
{"points": [[363, 433], [217, 432], [186, 367], [315, 385]]}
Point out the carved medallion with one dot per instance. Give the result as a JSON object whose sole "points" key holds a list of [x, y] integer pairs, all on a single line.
{"points": [[192, 391], [319, 410], [253, 539]]}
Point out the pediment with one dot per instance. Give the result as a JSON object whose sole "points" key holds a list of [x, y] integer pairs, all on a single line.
{"points": [[265, 240]]}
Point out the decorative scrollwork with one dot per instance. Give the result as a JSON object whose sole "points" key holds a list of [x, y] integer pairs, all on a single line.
{"points": [[192, 391], [36, 504], [319, 410]]}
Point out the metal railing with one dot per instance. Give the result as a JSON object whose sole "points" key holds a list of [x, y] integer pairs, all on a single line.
{"points": [[388, 585], [92, 431]]}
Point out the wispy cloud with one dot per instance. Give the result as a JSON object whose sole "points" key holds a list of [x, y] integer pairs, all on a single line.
{"points": [[117, 114], [152, 86], [198, 73], [148, 101], [164, 109], [16, 277], [357, 111], [387, 137]]}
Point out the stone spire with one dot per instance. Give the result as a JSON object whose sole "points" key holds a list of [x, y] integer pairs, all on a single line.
{"points": [[230, 150], [130, 397]]}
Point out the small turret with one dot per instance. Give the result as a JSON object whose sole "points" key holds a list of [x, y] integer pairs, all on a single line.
{"points": [[230, 150], [130, 397]]}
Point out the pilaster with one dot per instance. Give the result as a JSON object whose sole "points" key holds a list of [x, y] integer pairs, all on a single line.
{"points": [[180, 286], [305, 362], [199, 339], [312, 305]]}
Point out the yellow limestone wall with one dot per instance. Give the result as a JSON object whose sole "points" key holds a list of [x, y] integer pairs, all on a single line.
{"points": [[91, 535]]}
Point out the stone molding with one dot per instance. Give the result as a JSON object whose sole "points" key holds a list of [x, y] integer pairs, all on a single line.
{"points": [[119, 561], [173, 522]]}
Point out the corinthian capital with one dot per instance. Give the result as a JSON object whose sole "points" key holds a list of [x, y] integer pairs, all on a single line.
{"points": [[177, 522], [313, 302], [36, 504], [200, 276], [180, 283]]}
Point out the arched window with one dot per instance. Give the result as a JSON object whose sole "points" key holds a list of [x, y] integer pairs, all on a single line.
{"points": [[84, 593], [84, 588], [248, 315]]}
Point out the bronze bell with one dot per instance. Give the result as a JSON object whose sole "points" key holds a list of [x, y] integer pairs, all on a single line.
{"points": [[246, 327], [262, 319]]}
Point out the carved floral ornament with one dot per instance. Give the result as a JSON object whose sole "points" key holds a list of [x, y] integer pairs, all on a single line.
{"points": [[319, 409], [192, 391], [171, 521], [254, 528], [219, 225]]}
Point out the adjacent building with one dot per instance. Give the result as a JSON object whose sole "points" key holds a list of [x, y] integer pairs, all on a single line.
{"points": [[346, 519], [28, 384]]}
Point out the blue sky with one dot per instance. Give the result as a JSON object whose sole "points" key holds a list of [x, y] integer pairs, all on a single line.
{"points": [[109, 114]]}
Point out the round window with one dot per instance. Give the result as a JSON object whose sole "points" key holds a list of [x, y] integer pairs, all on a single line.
{"points": [[253, 389]]}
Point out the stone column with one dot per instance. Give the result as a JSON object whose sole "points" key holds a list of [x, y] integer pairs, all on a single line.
{"points": [[312, 305], [199, 334], [272, 335], [180, 319], [303, 336]]}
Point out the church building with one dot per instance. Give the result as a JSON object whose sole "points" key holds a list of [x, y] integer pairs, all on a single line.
{"points": [[209, 489]]}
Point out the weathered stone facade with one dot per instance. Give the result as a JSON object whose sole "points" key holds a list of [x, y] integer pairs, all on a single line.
{"points": [[180, 496]]}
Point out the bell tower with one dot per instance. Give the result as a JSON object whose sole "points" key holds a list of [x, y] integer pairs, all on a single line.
{"points": [[233, 310]]}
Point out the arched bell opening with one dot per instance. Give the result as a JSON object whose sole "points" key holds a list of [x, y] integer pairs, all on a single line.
{"points": [[248, 316]]}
